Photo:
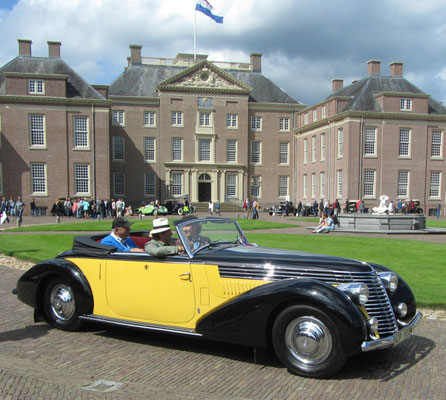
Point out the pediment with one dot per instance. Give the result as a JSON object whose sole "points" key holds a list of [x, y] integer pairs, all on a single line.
{"points": [[204, 77]]}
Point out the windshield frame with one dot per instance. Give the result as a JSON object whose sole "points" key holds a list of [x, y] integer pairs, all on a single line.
{"points": [[179, 225]]}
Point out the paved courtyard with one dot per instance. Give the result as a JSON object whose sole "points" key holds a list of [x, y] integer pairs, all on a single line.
{"points": [[100, 362]]}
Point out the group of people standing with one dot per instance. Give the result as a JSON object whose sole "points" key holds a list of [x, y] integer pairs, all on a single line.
{"points": [[11, 209], [251, 208], [324, 206], [90, 208]]}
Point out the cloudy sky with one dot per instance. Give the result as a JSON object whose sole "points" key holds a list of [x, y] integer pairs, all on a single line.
{"points": [[305, 44]]}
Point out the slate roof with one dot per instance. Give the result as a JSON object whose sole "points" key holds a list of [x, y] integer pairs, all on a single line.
{"points": [[363, 93], [141, 80], [77, 87]]}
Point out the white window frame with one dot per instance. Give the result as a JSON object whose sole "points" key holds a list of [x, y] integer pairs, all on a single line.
{"points": [[119, 184], [305, 186], [149, 120], [82, 181], [231, 185], [177, 149], [369, 185], [176, 119], [177, 184], [323, 146], [256, 152], [313, 149], [403, 184], [256, 186], [150, 149], [322, 184], [435, 185], [305, 118], [313, 185], [284, 124], [437, 145], [231, 121], [339, 181], [284, 153], [205, 119], [149, 184], [204, 150], [231, 151], [370, 142], [36, 86], [39, 179], [256, 123], [406, 104], [340, 143], [305, 157], [315, 114], [405, 138], [118, 143], [37, 133], [81, 134], [118, 118], [323, 111], [284, 186]]}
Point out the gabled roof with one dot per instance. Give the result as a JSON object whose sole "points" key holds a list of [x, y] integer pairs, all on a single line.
{"points": [[77, 87], [363, 93], [142, 80]]}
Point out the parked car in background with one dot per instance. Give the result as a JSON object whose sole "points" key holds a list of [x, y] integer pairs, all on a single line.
{"points": [[174, 206], [149, 209], [281, 208], [314, 310]]}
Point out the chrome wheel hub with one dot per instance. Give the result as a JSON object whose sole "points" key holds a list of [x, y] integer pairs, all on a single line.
{"points": [[62, 302], [309, 340]]}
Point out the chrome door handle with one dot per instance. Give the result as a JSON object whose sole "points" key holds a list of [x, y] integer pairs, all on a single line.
{"points": [[185, 276]]}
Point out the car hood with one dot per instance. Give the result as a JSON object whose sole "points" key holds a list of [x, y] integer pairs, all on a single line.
{"points": [[277, 258]]}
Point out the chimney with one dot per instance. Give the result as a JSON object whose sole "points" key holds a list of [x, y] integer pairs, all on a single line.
{"points": [[24, 47], [256, 62], [374, 67], [54, 49], [337, 84], [396, 68], [135, 54]]}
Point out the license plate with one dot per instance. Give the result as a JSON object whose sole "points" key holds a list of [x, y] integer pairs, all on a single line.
{"points": [[403, 334]]}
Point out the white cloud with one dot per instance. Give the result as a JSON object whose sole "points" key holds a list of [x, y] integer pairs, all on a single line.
{"points": [[304, 44]]}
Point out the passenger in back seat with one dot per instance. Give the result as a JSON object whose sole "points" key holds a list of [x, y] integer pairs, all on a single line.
{"points": [[119, 236]]}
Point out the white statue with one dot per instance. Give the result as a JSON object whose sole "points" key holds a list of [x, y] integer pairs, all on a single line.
{"points": [[383, 208]]}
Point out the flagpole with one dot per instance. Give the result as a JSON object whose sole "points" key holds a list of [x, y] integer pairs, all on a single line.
{"points": [[195, 36]]}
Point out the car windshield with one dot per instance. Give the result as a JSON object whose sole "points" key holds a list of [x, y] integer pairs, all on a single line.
{"points": [[199, 234]]}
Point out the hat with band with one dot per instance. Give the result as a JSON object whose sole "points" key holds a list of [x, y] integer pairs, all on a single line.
{"points": [[160, 225]]}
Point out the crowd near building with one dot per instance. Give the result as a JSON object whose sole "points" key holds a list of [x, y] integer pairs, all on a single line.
{"points": [[213, 132]]}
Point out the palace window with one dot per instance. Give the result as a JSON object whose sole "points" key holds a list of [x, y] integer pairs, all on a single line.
{"points": [[370, 142], [118, 118], [437, 144], [177, 149], [256, 123], [231, 120], [38, 178], [434, 189], [36, 86], [284, 124], [404, 147], [82, 179], [177, 118], [403, 184], [406, 104], [231, 151], [80, 132], [369, 183], [149, 118], [283, 153], [150, 149], [37, 130], [149, 184], [118, 148], [256, 152], [119, 183]]}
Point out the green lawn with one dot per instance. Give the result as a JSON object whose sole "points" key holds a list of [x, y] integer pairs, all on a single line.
{"points": [[421, 264]]}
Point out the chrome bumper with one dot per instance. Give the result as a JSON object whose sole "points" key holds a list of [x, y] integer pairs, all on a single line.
{"points": [[390, 341]]}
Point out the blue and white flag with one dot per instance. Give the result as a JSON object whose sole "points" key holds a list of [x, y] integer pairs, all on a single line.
{"points": [[205, 7]]}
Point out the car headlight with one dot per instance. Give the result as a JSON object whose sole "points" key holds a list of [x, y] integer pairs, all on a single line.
{"points": [[390, 281], [358, 292]]}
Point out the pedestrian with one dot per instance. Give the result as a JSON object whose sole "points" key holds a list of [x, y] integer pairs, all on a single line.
{"points": [[217, 207], [211, 207], [19, 207], [438, 210]]}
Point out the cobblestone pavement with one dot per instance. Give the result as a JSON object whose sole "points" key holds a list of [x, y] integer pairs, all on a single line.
{"points": [[101, 362]]}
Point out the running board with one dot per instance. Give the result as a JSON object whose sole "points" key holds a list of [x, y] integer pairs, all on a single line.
{"points": [[139, 325]]}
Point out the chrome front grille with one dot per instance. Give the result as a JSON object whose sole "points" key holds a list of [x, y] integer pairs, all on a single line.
{"points": [[378, 305]]}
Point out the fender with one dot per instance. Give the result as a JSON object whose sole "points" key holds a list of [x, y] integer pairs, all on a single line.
{"points": [[247, 319], [32, 282]]}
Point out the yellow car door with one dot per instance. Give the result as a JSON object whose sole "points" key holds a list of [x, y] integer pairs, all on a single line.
{"points": [[150, 291]]}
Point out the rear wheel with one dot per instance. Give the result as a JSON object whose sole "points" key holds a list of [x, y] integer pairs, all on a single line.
{"points": [[60, 305], [307, 342]]}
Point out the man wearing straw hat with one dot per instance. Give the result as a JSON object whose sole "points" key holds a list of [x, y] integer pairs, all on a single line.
{"points": [[161, 245]]}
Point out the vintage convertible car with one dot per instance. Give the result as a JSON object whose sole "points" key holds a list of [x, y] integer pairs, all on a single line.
{"points": [[149, 209], [279, 209], [314, 310]]}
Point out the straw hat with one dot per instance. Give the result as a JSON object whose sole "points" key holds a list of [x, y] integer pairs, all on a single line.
{"points": [[160, 225]]}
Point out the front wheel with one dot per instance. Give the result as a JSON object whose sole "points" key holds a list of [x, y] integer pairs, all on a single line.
{"points": [[307, 342], [60, 305]]}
